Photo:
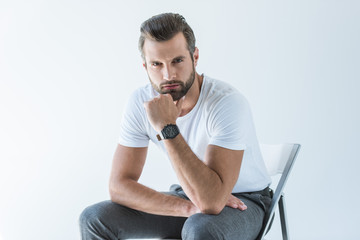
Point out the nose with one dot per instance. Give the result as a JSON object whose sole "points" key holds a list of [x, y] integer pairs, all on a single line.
{"points": [[169, 72]]}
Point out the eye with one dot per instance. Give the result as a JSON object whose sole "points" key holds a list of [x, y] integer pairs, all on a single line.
{"points": [[155, 64], [178, 60]]}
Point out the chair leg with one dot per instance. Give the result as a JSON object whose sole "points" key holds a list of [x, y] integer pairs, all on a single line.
{"points": [[283, 219]]}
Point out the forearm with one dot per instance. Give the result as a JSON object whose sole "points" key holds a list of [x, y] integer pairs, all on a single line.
{"points": [[134, 195], [202, 185]]}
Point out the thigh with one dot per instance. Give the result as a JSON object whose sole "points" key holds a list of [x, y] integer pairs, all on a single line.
{"points": [[229, 224], [114, 221]]}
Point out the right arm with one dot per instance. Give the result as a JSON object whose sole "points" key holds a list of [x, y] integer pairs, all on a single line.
{"points": [[124, 188]]}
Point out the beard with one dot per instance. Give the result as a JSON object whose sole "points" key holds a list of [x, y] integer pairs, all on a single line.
{"points": [[181, 91]]}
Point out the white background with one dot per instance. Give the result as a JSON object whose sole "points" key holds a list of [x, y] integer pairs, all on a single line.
{"points": [[67, 68]]}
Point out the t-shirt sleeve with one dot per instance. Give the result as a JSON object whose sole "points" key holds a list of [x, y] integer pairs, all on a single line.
{"points": [[231, 124], [132, 128]]}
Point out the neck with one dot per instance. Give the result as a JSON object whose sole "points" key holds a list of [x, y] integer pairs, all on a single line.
{"points": [[192, 95]]}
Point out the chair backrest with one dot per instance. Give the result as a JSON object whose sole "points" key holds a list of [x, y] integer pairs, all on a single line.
{"points": [[279, 159], [275, 157]]}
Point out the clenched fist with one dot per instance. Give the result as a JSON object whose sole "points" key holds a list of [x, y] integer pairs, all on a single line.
{"points": [[162, 110]]}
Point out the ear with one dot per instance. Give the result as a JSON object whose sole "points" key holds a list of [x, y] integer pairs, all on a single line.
{"points": [[144, 65], [196, 56]]}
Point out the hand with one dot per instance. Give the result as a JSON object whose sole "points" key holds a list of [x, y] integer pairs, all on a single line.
{"points": [[162, 110], [234, 202]]}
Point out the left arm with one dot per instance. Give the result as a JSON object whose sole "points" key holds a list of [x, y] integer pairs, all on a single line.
{"points": [[208, 184]]}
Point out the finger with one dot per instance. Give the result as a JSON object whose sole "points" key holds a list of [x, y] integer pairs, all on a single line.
{"points": [[238, 206], [167, 98], [167, 95], [234, 205], [242, 205]]}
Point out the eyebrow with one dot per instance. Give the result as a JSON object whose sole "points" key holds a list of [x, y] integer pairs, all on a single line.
{"points": [[178, 57], [181, 58]]}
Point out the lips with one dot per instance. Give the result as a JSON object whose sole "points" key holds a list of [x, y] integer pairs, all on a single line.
{"points": [[171, 86]]}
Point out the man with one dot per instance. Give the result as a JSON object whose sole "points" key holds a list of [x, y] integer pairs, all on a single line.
{"points": [[205, 128]]}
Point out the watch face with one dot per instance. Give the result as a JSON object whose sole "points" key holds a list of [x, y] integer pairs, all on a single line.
{"points": [[170, 131]]}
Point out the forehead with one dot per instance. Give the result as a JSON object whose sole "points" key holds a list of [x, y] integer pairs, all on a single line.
{"points": [[166, 50]]}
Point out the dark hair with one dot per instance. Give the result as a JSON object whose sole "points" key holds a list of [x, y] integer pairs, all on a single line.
{"points": [[163, 27]]}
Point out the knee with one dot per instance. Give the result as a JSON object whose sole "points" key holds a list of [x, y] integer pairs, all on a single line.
{"points": [[87, 217], [92, 216], [198, 227]]}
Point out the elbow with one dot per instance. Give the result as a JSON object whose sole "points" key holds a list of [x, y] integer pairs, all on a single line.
{"points": [[211, 205], [119, 190], [212, 209], [112, 193], [115, 192]]}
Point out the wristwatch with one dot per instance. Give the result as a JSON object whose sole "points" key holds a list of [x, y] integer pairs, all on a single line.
{"points": [[170, 131]]}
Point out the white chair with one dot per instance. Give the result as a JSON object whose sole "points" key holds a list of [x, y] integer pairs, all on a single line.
{"points": [[279, 159]]}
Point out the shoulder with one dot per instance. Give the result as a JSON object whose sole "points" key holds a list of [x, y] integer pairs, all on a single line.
{"points": [[219, 94]]}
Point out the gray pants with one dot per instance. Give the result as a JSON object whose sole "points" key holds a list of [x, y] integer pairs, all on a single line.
{"points": [[108, 220]]}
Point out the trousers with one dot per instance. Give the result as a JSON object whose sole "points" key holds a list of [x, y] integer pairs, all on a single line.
{"points": [[109, 220]]}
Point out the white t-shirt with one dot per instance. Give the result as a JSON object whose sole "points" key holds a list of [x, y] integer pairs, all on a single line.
{"points": [[220, 117]]}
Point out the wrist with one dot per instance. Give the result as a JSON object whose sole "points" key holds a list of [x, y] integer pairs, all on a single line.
{"points": [[160, 126]]}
